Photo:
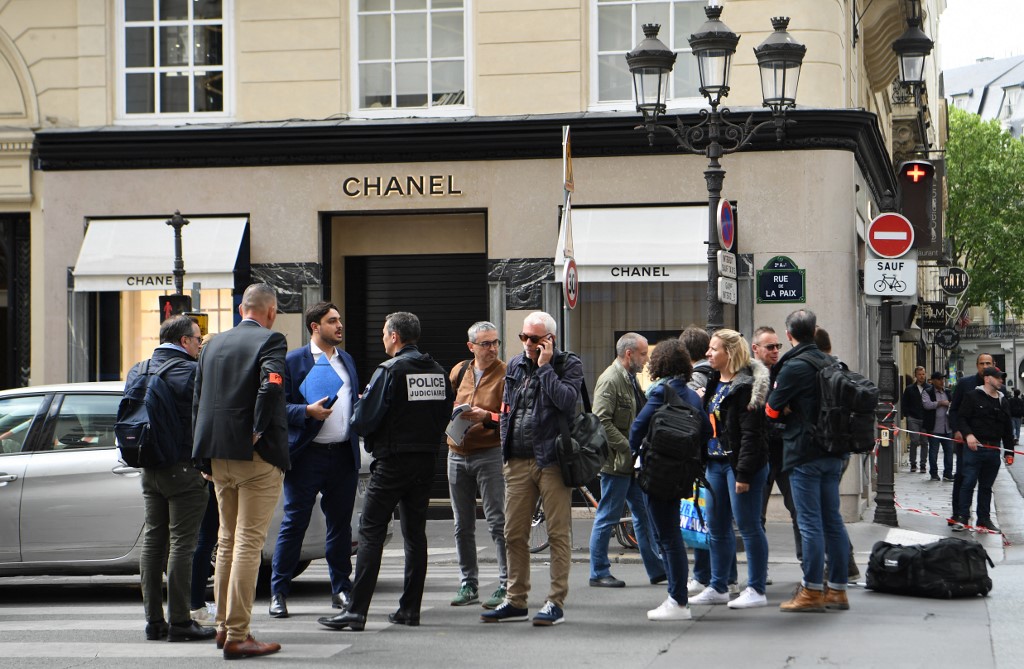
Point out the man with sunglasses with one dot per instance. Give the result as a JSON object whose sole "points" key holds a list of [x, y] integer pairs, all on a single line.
{"points": [[535, 396], [766, 348], [475, 461]]}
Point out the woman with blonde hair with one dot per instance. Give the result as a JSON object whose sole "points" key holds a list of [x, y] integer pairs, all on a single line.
{"points": [[737, 467]]}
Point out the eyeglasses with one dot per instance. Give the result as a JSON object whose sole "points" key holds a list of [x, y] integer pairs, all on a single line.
{"points": [[494, 343], [771, 347], [533, 339]]}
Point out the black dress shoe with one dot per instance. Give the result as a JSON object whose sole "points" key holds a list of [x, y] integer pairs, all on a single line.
{"points": [[354, 621], [659, 579], [190, 631], [156, 631], [340, 600], [404, 618], [608, 581], [278, 606]]}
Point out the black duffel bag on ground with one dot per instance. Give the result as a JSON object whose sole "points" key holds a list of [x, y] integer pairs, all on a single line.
{"points": [[944, 569], [582, 446]]}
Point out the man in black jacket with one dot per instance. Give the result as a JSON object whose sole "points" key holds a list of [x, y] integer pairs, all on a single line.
{"points": [[984, 421], [913, 410], [402, 415], [814, 474], [178, 492], [965, 385], [241, 437]]}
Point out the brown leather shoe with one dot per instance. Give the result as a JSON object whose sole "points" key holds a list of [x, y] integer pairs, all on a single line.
{"points": [[805, 600], [836, 599], [221, 637], [236, 650]]}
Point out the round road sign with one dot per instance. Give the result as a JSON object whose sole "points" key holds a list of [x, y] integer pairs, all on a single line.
{"points": [[890, 235], [570, 283], [726, 225]]}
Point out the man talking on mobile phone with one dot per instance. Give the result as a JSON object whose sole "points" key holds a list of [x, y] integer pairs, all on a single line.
{"points": [[325, 457], [541, 384]]}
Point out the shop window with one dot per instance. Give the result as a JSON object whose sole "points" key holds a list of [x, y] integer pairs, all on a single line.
{"points": [[618, 28], [140, 320], [410, 55], [172, 58]]}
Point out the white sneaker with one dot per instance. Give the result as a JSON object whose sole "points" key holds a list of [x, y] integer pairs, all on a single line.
{"points": [[693, 586], [670, 609], [711, 596], [207, 615], [749, 599], [734, 588]]}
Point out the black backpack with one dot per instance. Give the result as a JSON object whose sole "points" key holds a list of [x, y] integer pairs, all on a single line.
{"points": [[943, 569], [671, 451], [846, 408], [148, 428]]}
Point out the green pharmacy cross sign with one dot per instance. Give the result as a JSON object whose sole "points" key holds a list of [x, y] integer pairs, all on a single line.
{"points": [[781, 281]]}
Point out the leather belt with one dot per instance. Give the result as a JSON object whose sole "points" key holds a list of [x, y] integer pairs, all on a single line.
{"points": [[330, 446]]}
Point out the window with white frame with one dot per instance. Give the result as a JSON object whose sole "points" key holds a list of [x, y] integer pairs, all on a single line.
{"points": [[410, 54], [960, 101], [1011, 105], [172, 58], [619, 27]]}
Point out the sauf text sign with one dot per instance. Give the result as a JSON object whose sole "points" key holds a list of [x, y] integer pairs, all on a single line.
{"points": [[435, 185]]}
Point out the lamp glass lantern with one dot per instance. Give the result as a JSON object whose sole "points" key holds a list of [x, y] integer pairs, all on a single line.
{"points": [[779, 59], [651, 64], [912, 47], [714, 45]]}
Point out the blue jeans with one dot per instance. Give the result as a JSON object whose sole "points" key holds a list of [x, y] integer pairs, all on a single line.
{"points": [[206, 540], [664, 517], [980, 469], [702, 566], [816, 496], [934, 444], [724, 504], [480, 469], [615, 492]]}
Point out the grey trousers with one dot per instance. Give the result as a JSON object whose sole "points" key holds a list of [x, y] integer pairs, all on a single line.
{"points": [[465, 473], [176, 499]]}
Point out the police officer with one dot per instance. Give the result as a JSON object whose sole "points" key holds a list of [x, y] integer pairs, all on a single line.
{"points": [[402, 416]]}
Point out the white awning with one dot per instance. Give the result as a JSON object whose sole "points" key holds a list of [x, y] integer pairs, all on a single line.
{"points": [[138, 254], [619, 244]]}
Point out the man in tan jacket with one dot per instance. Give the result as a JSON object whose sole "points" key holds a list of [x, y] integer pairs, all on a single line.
{"points": [[617, 401], [476, 461]]}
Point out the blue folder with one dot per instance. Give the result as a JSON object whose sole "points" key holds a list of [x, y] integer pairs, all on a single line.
{"points": [[322, 381]]}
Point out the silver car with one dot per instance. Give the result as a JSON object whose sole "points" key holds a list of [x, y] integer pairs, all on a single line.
{"points": [[68, 504]]}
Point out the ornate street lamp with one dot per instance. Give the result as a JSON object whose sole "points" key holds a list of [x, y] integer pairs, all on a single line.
{"points": [[911, 48], [779, 58]]}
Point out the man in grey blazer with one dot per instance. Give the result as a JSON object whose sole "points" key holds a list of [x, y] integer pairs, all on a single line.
{"points": [[241, 439]]}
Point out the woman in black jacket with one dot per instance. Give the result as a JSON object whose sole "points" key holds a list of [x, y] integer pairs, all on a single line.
{"points": [[737, 468]]}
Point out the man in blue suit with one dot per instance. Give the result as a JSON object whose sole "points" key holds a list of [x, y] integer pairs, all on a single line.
{"points": [[324, 454]]}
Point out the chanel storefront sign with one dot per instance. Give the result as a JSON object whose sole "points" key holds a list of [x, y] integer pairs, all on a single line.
{"points": [[436, 185]]}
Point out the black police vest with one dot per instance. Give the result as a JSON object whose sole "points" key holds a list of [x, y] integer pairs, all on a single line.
{"points": [[419, 410]]}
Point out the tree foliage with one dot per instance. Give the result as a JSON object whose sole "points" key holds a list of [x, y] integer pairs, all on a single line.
{"points": [[985, 219]]}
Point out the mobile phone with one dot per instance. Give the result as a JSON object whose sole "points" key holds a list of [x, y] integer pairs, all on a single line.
{"points": [[329, 403]]}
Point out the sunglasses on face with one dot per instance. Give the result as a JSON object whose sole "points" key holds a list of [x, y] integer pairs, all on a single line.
{"points": [[533, 339], [772, 347]]}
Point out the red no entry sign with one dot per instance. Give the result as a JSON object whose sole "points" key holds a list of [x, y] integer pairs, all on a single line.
{"points": [[890, 235]]}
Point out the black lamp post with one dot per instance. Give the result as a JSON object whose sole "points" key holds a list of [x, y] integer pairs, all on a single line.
{"points": [[912, 47], [178, 222], [779, 58]]}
